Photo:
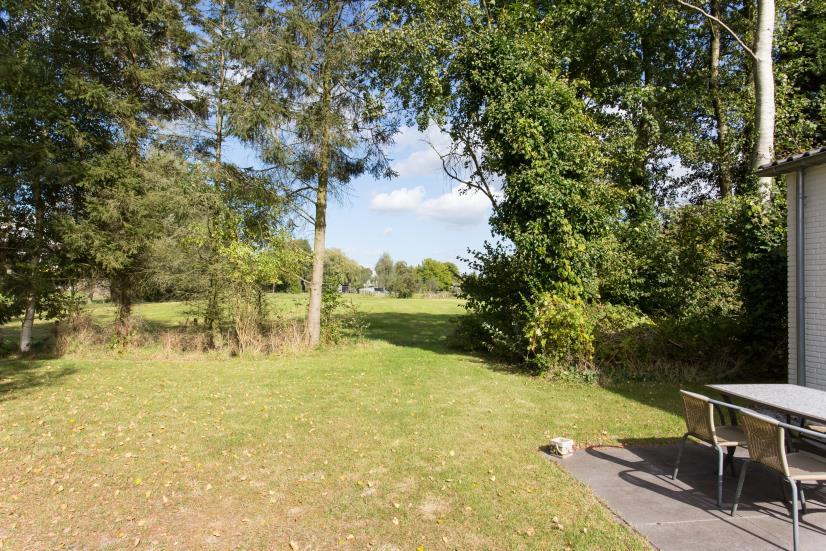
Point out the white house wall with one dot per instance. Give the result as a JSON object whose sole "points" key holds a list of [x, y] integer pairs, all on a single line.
{"points": [[815, 276]]}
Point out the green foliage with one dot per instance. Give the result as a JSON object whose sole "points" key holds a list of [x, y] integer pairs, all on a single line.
{"points": [[346, 270], [384, 271], [801, 64], [560, 335], [83, 86], [686, 264], [567, 115], [762, 251], [711, 279], [340, 318], [8, 309], [431, 276], [48, 127], [405, 280], [523, 90], [436, 276], [314, 117], [521, 122], [128, 207]]}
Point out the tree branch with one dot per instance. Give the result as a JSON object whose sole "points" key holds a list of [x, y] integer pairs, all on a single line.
{"points": [[720, 22], [482, 186]]}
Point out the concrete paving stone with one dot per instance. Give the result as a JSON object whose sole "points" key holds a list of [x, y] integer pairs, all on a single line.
{"points": [[635, 482]]}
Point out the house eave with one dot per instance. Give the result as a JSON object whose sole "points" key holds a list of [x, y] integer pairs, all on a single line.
{"points": [[794, 163]]}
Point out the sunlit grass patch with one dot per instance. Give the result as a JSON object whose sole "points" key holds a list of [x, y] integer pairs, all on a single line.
{"points": [[395, 442]]}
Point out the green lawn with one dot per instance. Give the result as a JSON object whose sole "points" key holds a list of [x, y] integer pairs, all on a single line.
{"points": [[393, 443]]}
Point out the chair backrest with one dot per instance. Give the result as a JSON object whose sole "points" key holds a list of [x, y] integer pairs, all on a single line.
{"points": [[766, 440], [699, 416]]}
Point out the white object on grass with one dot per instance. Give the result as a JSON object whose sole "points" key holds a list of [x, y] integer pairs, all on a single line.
{"points": [[562, 446]]}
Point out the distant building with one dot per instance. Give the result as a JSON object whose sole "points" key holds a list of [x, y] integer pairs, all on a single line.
{"points": [[370, 290]]}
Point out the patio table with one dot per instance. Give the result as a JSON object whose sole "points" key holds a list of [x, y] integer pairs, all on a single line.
{"points": [[808, 404]]}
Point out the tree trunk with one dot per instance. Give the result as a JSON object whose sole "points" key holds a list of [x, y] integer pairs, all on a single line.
{"points": [[723, 172], [316, 286], [123, 323], [764, 93], [213, 310], [34, 267], [314, 313], [28, 324]]}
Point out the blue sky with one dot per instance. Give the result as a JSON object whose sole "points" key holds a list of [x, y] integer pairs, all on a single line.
{"points": [[418, 214]]}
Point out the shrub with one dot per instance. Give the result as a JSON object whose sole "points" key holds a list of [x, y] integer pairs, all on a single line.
{"points": [[340, 318], [78, 333], [560, 334], [632, 346]]}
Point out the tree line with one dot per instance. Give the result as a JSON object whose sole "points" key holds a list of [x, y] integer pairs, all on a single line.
{"points": [[399, 278], [431, 276]]}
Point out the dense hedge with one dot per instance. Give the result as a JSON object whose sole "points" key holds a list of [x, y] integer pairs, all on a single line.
{"points": [[699, 293]]}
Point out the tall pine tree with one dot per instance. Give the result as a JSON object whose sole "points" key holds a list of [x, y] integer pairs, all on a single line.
{"points": [[140, 63], [49, 123], [323, 123]]}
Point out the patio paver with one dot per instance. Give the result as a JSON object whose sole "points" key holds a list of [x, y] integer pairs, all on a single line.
{"points": [[635, 482]]}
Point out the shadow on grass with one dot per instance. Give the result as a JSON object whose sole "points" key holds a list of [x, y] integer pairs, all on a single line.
{"points": [[429, 332], [663, 396], [20, 375], [666, 396]]}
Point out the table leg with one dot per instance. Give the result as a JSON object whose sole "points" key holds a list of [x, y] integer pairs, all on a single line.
{"points": [[789, 446], [732, 413]]}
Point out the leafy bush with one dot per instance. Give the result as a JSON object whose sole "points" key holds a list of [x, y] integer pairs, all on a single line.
{"points": [[405, 281], [497, 301], [340, 318], [699, 294], [560, 334], [78, 333], [763, 287]]}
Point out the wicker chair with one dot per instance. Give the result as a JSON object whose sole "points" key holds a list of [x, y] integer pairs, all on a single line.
{"points": [[767, 445], [699, 420]]}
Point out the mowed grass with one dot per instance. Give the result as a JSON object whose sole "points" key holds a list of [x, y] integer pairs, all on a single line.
{"points": [[393, 443]]}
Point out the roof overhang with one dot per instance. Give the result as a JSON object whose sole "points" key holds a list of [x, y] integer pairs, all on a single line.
{"points": [[794, 163]]}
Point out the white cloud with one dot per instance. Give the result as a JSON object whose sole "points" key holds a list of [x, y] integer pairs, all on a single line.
{"points": [[410, 135], [422, 161], [398, 200], [388, 231], [456, 208], [407, 136]]}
